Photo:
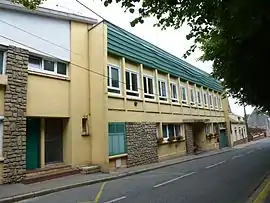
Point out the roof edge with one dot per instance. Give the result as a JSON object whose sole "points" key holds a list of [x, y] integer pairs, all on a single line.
{"points": [[48, 13]]}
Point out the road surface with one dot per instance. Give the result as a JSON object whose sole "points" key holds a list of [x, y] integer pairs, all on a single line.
{"points": [[225, 178]]}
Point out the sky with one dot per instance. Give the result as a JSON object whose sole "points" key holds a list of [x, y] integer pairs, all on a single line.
{"points": [[173, 41]]}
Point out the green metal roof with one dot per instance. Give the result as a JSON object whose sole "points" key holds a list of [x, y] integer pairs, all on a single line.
{"points": [[123, 43]]}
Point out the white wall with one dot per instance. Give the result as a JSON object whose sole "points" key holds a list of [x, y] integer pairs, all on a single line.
{"points": [[235, 137], [53, 30]]}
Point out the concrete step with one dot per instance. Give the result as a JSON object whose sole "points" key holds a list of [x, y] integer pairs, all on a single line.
{"points": [[49, 173], [89, 169]]}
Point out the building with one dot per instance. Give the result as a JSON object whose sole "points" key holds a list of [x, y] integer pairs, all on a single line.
{"points": [[238, 130], [258, 123], [80, 93]]}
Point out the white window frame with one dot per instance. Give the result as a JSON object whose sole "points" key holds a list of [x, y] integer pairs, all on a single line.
{"points": [[184, 101], [1, 135], [174, 100], [147, 90], [215, 102], [220, 103], [194, 96], [109, 87], [205, 99], [210, 96], [199, 94], [42, 70], [130, 72], [4, 61], [160, 91], [175, 126]]}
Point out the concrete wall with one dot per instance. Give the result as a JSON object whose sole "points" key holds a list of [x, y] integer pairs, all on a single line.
{"points": [[98, 95], [166, 151], [53, 30]]}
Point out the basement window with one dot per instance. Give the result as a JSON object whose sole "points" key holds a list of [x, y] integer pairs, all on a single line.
{"points": [[47, 66]]}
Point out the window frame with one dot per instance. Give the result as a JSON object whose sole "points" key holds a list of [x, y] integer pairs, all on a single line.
{"points": [[110, 66], [184, 101], [220, 103], [4, 62], [149, 97], [210, 96], [192, 103], [160, 90], [199, 94], [215, 102], [130, 72], [180, 127], [205, 99], [174, 100], [42, 70]]}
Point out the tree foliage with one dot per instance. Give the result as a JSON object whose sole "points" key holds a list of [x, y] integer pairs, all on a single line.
{"points": [[233, 34], [31, 4]]}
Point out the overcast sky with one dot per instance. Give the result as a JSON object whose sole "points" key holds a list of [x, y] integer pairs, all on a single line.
{"points": [[173, 41]]}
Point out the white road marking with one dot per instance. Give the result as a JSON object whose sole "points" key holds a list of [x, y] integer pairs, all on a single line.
{"points": [[250, 152], [213, 165], [238, 156], [117, 199], [172, 180]]}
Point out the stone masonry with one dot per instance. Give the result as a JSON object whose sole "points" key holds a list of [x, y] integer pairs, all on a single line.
{"points": [[141, 143], [189, 139], [14, 143]]}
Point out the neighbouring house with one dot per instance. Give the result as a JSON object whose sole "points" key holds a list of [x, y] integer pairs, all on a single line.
{"points": [[238, 129], [258, 123], [77, 93]]}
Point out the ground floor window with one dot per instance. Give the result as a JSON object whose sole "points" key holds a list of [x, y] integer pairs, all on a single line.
{"points": [[1, 136], [173, 130], [117, 138], [208, 128]]}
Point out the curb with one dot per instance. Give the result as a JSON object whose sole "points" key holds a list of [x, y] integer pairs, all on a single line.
{"points": [[30, 195], [262, 190]]}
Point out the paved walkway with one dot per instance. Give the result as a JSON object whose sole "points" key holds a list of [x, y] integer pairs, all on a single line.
{"points": [[50, 186]]}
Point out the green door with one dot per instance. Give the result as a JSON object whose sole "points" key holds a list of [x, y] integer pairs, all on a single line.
{"points": [[32, 143], [223, 139]]}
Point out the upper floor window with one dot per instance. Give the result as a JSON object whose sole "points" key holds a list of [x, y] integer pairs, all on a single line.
{"points": [[47, 66], [113, 79], [210, 101], [192, 96], [215, 102], [220, 102], [148, 86], [199, 98], [132, 83], [162, 89], [2, 62], [174, 92], [205, 99], [184, 94]]}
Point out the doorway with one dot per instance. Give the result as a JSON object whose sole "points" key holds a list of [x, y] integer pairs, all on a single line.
{"points": [[53, 140], [198, 131], [32, 143]]}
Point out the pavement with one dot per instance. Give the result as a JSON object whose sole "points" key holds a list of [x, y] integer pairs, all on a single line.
{"points": [[208, 177]]}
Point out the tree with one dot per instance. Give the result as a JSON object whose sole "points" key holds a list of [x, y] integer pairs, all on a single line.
{"points": [[31, 4]]}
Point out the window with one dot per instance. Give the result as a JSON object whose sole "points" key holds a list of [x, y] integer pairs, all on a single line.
{"points": [[205, 98], [132, 83], [174, 92], [47, 66], [173, 130], [210, 101], [220, 103], [162, 90], [208, 128], [192, 97], [235, 132], [1, 137], [2, 62], [148, 86], [215, 102], [117, 139], [113, 79], [199, 98], [184, 94]]}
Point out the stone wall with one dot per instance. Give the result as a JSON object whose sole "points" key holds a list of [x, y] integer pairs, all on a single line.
{"points": [[141, 143], [242, 141], [189, 139], [14, 143]]}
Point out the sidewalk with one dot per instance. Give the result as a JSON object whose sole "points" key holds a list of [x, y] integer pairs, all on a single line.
{"points": [[18, 192]]}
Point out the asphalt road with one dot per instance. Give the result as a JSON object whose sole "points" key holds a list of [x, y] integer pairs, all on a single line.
{"points": [[225, 178]]}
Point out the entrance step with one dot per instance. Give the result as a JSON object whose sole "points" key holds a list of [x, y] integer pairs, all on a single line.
{"points": [[89, 169], [49, 172]]}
